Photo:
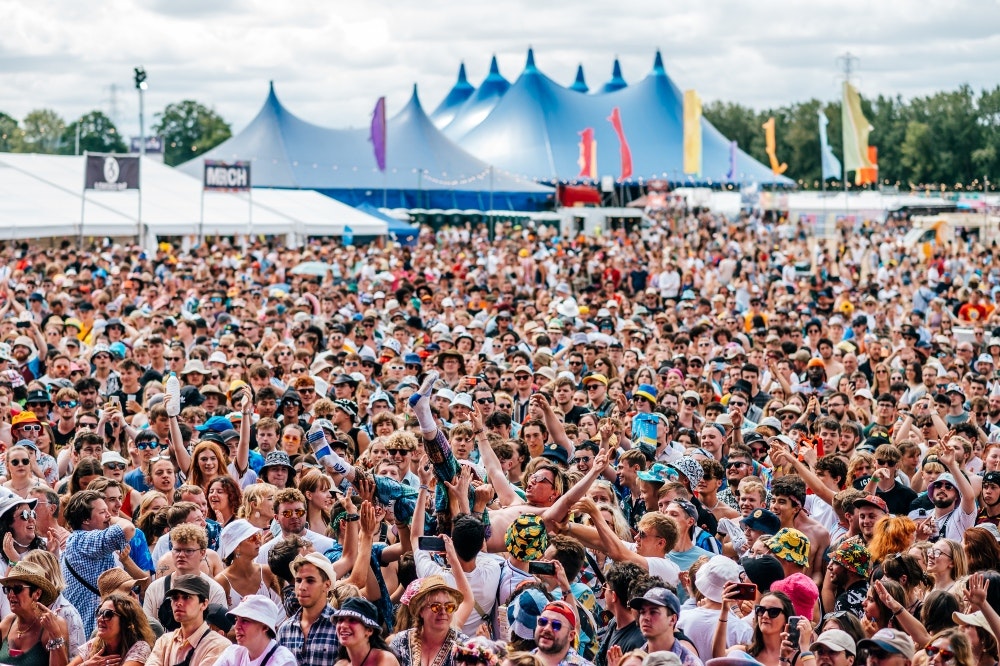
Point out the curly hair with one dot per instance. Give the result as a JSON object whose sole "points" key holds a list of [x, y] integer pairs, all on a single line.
{"points": [[233, 493]]}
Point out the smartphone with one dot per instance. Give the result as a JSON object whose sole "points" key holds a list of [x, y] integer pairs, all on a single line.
{"points": [[471, 380], [23, 324], [793, 629], [433, 544], [268, 331], [115, 399], [745, 592], [542, 568]]}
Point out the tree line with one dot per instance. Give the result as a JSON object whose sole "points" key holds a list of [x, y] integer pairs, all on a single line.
{"points": [[188, 129], [950, 138]]}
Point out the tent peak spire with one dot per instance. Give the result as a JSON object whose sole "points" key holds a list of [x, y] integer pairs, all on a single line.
{"points": [[617, 82], [580, 84], [462, 79], [658, 63], [494, 67], [530, 64]]}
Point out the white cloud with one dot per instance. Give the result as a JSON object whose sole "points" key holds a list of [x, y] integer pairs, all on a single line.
{"points": [[331, 61]]}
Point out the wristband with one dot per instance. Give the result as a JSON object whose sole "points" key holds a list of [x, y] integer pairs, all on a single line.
{"points": [[425, 487], [352, 517], [55, 644]]}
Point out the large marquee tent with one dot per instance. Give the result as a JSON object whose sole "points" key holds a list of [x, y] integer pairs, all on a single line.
{"points": [[423, 167]]}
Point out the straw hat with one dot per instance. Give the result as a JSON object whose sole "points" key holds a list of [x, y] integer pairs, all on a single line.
{"points": [[33, 575], [428, 586]]}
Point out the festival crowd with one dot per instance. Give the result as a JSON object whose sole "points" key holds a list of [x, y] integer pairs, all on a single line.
{"points": [[710, 442]]}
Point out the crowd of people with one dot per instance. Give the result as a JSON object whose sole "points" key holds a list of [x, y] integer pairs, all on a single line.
{"points": [[710, 442]]}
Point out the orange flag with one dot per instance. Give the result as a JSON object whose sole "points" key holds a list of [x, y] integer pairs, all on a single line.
{"points": [[771, 147], [588, 154], [866, 175]]}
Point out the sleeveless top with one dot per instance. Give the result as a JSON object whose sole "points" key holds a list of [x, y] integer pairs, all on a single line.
{"points": [[36, 656], [235, 597]]}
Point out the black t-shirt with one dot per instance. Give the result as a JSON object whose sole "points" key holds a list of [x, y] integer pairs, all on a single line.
{"points": [[898, 499], [124, 397], [573, 416], [61, 439], [627, 638], [852, 599]]}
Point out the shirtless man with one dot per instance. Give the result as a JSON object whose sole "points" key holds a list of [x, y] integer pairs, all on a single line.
{"points": [[788, 497]]}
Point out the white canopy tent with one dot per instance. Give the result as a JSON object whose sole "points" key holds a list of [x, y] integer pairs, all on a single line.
{"points": [[41, 197]]}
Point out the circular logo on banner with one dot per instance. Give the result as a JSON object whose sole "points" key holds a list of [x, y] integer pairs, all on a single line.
{"points": [[111, 170]]}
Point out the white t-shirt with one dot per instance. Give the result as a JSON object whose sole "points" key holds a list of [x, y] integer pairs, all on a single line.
{"points": [[237, 655], [822, 512], [484, 581], [699, 624], [661, 566]]}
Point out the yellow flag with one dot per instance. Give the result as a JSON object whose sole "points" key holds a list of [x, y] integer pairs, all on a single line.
{"points": [[856, 129], [771, 148], [692, 132]]}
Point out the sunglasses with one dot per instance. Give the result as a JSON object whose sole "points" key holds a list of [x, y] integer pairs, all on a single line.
{"points": [[107, 614], [556, 625], [691, 403], [15, 589], [437, 607], [485, 401], [735, 463], [503, 405], [28, 514], [593, 387], [946, 655], [397, 452], [115, 466], [146, 445], [65, 404], [288, 513], [886, 463], [737, 403], [17, 462], [521, 378], [31, 427], [771, 612]]}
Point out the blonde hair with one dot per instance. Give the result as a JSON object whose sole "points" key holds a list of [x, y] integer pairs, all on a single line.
{"points": [[254, 495], [47, 561]]}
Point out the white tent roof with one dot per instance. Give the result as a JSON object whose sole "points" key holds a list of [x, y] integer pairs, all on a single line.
{"points": [[40, 196]]}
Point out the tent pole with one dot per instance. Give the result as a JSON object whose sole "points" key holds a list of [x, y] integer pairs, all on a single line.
{"points": [[201, 219], [83, 199]]}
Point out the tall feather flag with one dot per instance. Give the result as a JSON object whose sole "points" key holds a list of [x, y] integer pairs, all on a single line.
{"points": [[626, 153], [856, 130], [771, 148], [732, 161], [692, 133], [831, 165], [378, 133], [588, 154]]}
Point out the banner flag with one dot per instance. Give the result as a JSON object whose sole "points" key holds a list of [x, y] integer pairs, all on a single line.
{"points": [[856, 130], [770, 147], [692, 133], [732, 160], [867, 176], [626, 153], [588, 154], [378, 133], [111, 173], [831, 165]]}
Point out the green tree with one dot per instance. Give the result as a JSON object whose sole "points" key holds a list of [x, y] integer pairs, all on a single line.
{"points": [[10, 133], [42, 132], [188, 130], [917, 153], [97, 135]]}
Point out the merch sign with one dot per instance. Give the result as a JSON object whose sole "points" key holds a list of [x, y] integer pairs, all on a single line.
{"points": [[112, 173], [221, 176]]}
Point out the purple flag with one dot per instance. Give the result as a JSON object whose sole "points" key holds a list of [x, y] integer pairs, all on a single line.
{"points": [[732, 160], [378, 133]]}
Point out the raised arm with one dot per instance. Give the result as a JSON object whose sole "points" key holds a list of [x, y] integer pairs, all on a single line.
{"points": [[814, 483], [362, 560], [607, 540], [571, 496], [176, 443], [243, 448], [461, 584], [557, 432], [488, 458], [965, 489]]}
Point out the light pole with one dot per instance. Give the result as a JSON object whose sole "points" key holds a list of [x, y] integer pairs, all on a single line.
{"points": [[141, 85]]}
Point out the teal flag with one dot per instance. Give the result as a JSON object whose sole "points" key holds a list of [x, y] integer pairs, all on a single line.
{"points": [[831, 165]]}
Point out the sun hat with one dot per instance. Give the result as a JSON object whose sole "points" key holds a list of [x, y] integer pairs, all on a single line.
{"points": [[713, 576], [803, 592], [657, 473], [109, 457], [318, 561], [115, 579], [790, 545], [259, 608], [943, 478], [33, 575], [360, 609], [735, 658], [854, 556], [526, 538], [233, 535], [278, 459], [977, 619], [431, 584]]}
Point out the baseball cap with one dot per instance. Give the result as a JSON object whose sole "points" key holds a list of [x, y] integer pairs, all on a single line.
{"points": [[890, 640], [836, 640], [189, 584], [872, 500], [658, 596]]}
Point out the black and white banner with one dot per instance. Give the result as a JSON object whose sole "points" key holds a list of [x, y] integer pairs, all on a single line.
{"points": [[112, 173], [227, 177]]}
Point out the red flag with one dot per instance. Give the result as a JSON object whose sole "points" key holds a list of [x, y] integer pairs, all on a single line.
{"points": [[865, 176], [588, 154], [616, 122]]}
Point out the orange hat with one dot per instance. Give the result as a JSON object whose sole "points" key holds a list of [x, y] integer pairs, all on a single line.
{"points": [[816, 362], [23, 417]]}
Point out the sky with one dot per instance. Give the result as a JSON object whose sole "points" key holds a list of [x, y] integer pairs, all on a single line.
{"points": [[330, 61]]}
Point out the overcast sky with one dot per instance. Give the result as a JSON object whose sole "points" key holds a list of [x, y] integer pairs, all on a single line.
{"points": [[330, 61]]}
